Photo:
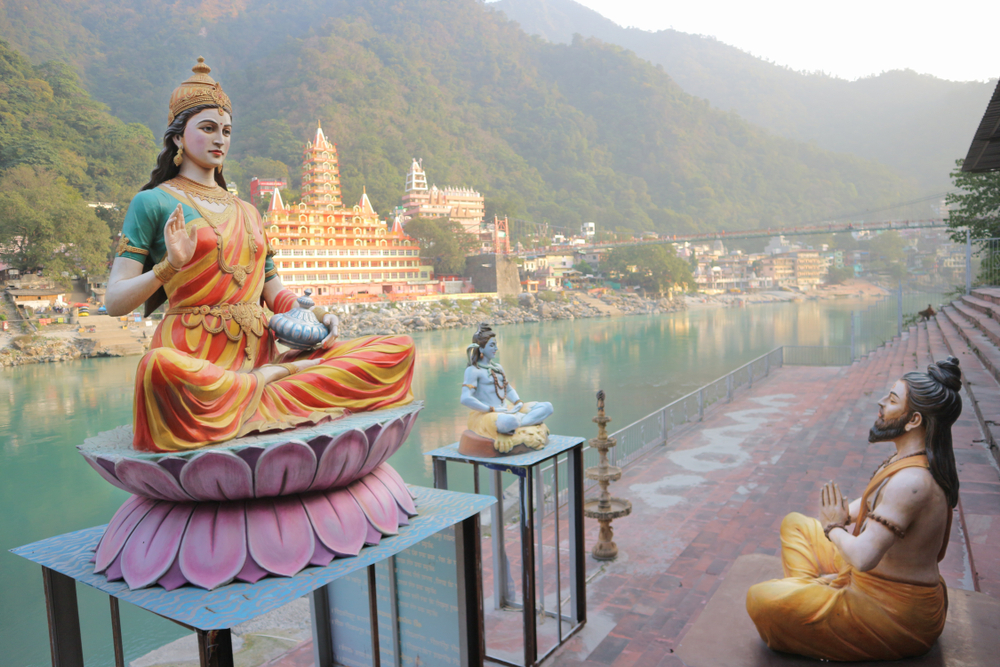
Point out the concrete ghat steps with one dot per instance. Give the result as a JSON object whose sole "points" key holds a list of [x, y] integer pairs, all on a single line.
{"points": [[980, 344], [982, 321], [991, 294], [979, 382], [978, 473]]}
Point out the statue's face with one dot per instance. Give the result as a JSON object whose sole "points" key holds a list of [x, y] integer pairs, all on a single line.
{"points": [[894, 415], [206, 138], [490, 350]]}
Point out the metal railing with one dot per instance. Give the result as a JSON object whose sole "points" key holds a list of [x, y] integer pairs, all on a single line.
{"points": [[644, 435], [987, 255]]}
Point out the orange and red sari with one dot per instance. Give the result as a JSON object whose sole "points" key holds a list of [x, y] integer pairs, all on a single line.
{"points": [[199, 383]]}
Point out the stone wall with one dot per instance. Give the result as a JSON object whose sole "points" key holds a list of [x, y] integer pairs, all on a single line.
{"points": [[493, 274]]}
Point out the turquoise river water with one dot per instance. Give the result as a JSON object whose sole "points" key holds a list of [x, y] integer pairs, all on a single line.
{"points": [[642, 363]]}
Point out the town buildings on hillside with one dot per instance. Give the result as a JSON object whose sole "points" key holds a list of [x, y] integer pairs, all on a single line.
{"points": [[463, 205], [338, 251]]}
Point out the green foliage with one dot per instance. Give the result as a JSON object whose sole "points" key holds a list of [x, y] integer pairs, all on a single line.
{"points": [[59, 148], [877, 117], [837, 275], [887, 255], [556, 134], [443, 243], [547, 296], [655, 268], [584, 268], [45, 223], [976, 206]]}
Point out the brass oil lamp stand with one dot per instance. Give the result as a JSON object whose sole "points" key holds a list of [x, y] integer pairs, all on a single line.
{"points": [[604, 508]]}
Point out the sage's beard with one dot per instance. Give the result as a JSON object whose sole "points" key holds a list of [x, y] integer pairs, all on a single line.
{"points": [[886, 430]]}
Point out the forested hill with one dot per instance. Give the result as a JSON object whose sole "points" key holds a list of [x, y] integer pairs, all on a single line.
{"points": [[915, 123], [556, 132]]}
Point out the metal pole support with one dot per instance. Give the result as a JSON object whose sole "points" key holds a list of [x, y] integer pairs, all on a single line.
{"points": [[968, 261], [899, 310]]}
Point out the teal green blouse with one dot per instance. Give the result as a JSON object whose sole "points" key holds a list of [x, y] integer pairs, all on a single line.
{"points": [[142, 231]]}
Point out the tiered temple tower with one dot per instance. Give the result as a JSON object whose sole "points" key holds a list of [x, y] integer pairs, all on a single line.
{"points": [[340, 252], [463, 205]]}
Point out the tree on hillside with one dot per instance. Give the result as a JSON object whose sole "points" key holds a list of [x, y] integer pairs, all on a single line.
{"points": [[443, 243], [655, 268], [887, 254], [976, 206], [838, 274], [46, 224]]}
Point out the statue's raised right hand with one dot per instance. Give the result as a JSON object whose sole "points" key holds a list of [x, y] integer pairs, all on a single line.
{"points": [[180, 243]]}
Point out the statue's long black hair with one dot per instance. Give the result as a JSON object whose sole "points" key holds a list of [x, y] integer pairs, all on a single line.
{"points": [[165, 168], [935, 395], [479, 340]]}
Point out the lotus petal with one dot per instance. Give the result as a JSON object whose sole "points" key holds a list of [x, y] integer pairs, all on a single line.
{"points": [[339, 521], [372, 536], [114, 571], [319, 444], [341, 461], [215, 544], [152, 546], [173, 465], [321, 556], [411, 419], [394, 483], [279, 534], [251, 572], [378, 505], [372, 432], [250, 455], [148, 479], [174, 578], [402, 517], [108, 475], [384, 446], [284, 469], [217, 475], [390, 471], [122, 524]]}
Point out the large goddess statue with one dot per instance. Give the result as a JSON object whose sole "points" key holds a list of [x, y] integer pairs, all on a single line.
{"points": [[213, 372]]}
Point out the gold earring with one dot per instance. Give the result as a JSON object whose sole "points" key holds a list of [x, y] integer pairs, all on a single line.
{"points": [[180, 155]]}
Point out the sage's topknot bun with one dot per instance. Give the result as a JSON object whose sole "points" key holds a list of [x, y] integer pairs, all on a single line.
{"points": [[947, 373]]}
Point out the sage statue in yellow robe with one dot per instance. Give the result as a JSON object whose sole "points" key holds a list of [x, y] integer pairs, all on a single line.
{"points": [[873, 592], [214, 372]]}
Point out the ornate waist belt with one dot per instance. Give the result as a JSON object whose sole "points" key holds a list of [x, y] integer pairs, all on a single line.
{"points": [[249, 316]]}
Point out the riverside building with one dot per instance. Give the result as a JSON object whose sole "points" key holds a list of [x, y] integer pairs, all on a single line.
{"points": [[340, 253], [463, 205]]}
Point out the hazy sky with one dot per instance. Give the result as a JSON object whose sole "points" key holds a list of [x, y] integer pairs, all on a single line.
{"points": [[845, 38]]}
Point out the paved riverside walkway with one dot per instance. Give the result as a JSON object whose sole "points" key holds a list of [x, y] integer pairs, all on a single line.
{"points": [[720, 489]]}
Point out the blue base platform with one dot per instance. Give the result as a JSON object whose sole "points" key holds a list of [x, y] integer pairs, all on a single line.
{"points": [[70, 555]]}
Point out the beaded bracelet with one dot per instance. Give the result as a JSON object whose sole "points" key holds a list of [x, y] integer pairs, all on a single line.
{"points": [[827, 528]]}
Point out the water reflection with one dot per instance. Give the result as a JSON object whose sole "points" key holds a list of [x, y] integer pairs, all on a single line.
{"points": [[46, 488]]}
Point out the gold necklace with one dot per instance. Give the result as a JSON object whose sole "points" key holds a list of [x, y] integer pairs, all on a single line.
{"points": [[213, 194], [240, 271]]}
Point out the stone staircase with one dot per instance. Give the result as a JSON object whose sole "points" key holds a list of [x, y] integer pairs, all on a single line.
{"points": [[970, 328]]}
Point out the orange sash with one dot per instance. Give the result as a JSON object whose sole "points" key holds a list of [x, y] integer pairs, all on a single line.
{"points": [[884, 474]]}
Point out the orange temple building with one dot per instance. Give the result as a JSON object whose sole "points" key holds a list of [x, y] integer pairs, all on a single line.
{"points": [[340, 253]]}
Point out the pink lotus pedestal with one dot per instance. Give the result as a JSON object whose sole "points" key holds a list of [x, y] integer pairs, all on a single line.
{"points": [[263, 505]]}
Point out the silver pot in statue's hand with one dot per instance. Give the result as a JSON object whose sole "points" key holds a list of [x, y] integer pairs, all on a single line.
{"points": [[298, 328]]}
